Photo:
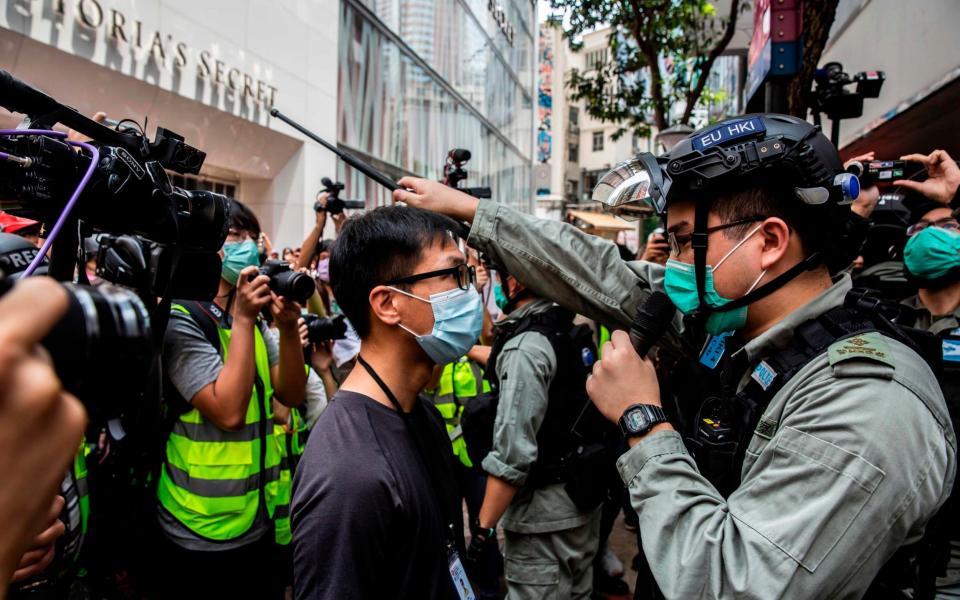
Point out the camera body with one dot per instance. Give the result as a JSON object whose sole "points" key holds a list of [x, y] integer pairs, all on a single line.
{"points": [[878, 171], [454, 173], [286, 282], [336, 205], [322, 329], [128, 191]]}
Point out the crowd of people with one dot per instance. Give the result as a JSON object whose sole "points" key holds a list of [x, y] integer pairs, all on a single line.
{"points": [[485, 414]]}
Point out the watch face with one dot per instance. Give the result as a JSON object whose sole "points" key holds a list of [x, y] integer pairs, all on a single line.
{"points": [[636, 420]]}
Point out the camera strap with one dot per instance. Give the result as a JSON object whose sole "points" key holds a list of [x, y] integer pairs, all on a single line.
{"points": [[430, 454]]}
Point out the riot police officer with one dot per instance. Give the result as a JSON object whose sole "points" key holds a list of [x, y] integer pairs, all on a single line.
{"points": [[832, 425]]}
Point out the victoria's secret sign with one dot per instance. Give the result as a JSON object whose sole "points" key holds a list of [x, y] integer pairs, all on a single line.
{"points": [[152, 44]]}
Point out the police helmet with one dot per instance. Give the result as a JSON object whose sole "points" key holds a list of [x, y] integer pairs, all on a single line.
{"points": [[747, 150], [16, 254]]}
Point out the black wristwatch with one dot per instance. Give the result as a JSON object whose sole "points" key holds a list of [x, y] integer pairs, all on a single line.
{"points": [[640, 418]]}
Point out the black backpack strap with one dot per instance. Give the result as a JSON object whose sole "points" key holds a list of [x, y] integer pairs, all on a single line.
{"points": [[206, 315]]}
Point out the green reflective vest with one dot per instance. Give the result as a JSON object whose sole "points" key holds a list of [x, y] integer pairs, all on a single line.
{"points": [[292, 441], [213, 480], [603, 339], [458, 383], [83, 486]]}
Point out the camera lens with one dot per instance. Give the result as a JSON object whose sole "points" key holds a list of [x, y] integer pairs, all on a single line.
{"points": [[293, 285], [102, 347]]}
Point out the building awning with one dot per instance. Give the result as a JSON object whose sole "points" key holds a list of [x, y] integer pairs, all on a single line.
{"points": [[602, 221]]}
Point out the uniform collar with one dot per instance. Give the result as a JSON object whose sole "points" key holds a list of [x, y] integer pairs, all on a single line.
{"points": [[537, 306], [779, 336], [929, 322]]}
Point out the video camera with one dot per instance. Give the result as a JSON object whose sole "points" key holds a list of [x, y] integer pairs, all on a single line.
{"points": [[159, 240], [335, 205], [454, 173], [127, 192], [831, 96]]}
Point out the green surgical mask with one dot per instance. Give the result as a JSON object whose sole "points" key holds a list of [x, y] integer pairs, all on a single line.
{"points": [[680, 282], [932, 253], [499, 298], [237, 256]]}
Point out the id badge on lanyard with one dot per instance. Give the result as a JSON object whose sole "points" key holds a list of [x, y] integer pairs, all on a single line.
{"points": [[459, 576]]}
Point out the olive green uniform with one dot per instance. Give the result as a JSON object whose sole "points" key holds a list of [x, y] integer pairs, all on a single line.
{"points": [[856, 454], [549, 543]]}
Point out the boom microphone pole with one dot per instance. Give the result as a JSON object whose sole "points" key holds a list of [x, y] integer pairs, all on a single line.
{"points": [[348, 158]]}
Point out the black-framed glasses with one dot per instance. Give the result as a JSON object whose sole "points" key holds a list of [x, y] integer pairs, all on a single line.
{"points": [[464, 274], [948, 223], [678, 241]]}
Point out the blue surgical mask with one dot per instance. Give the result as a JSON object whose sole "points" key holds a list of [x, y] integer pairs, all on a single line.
{"points": [[457, 322], [237, 256], [680, 282], [932, 253]]}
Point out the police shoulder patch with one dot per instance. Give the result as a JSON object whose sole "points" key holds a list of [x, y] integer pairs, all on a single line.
{"points": [[865, 346]]}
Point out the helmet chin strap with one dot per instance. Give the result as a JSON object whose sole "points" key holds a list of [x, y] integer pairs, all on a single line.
{"points": [[699, 243], [775, 284]]}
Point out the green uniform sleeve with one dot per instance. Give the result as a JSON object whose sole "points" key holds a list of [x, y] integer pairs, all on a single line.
{"points": [[526, 367], [855, 466], [581, 272]]}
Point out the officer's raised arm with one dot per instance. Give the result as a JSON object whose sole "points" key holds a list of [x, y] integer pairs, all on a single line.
{"points": [[555, 260]]}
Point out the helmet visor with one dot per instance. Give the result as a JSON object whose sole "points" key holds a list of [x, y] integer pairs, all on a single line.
{"points": [[633, 188]]}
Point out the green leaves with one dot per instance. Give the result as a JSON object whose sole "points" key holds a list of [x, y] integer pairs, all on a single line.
{"points": [[660, 55]]}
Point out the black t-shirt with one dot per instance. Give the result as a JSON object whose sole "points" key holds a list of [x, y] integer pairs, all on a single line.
{"points": [[365, 514]]}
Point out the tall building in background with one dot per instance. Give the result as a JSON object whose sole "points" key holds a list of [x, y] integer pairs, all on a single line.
{"points": [[418, 78]]}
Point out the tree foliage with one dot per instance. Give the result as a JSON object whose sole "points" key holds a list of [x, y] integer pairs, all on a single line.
{"points": [[660, 53]]}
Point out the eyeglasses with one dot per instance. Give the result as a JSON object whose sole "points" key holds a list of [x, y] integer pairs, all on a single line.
{"points": [[678, 241], [464, 274], [948, 223]]}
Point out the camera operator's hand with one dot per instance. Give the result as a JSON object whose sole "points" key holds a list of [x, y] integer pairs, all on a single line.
{"points": [[436, 197], [943, 176], [622, 378], [321, 359], [304, 332], [869, 196], [252, 295], [31, 401], [321, 215], [657, 249], [338, 220], [286, 313], [42, 548]]}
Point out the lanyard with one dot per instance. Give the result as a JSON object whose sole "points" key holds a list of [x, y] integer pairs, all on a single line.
{"points": [[430, 460]]}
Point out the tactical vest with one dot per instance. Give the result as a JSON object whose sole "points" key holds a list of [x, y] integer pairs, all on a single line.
{"points": [[215, 481], [718, 433], [459, 382], [573, 442]]}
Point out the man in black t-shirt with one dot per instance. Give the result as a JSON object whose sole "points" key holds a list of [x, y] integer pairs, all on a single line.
{"points": [[373, 512]]}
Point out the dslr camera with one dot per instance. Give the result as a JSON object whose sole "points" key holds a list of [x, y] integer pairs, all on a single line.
{"points": [[286, 282], [335, 204], [322, 329]]}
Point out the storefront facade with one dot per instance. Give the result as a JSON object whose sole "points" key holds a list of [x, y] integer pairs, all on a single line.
{"points": [[212, 70]]}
